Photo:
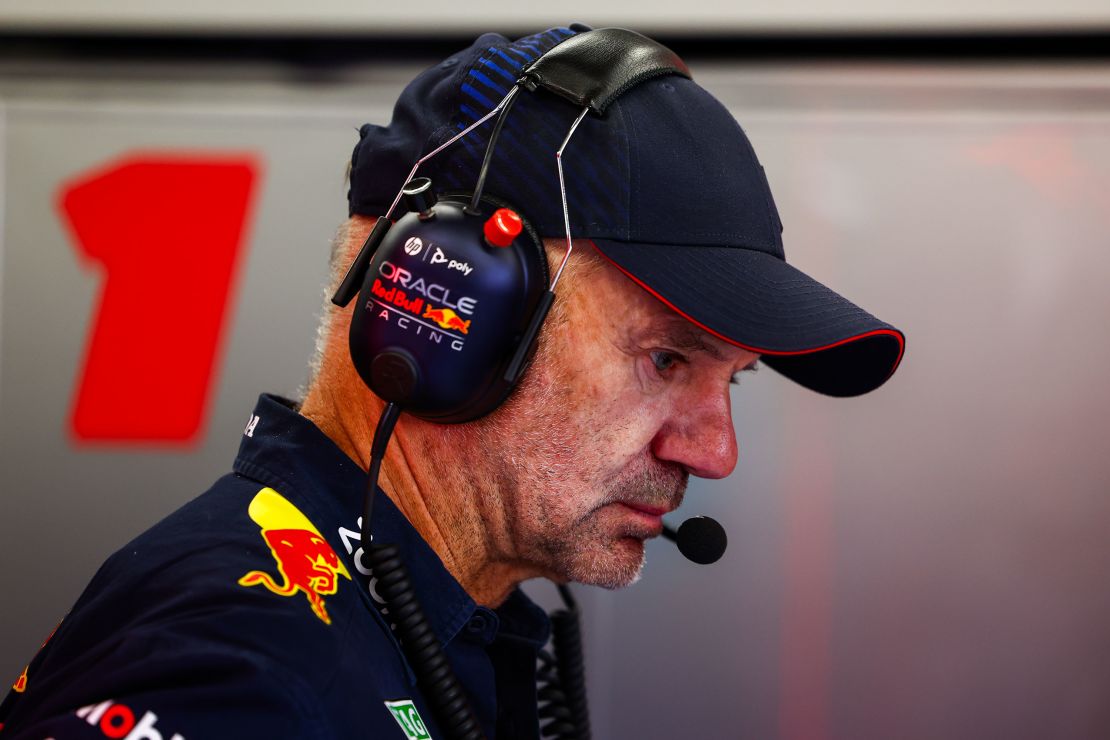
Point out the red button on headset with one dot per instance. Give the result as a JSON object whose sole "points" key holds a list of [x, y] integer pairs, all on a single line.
{"points": [[503, 227]]}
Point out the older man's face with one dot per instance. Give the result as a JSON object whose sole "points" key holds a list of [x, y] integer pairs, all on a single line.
{"points": [[626, 399]]}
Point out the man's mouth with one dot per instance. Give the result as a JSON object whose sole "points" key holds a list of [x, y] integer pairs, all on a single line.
{"points": [[652, 516]]}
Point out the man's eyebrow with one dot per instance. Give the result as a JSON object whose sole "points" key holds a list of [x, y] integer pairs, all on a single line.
{"points": [[691, 339]]}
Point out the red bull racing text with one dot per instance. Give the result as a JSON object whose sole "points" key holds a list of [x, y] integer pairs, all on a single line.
{"points": [[423, 308], [431, 291]]}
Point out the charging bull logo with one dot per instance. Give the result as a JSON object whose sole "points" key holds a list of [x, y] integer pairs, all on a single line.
{"points": [[304, 559], [20, 684], [447, 319]]}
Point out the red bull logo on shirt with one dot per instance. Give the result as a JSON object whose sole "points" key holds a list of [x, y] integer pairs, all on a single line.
{"points": [[305, 560], [20, 684]]}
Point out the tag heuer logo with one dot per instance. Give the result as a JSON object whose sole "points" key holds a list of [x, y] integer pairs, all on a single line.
{"points": [[409, 719]]}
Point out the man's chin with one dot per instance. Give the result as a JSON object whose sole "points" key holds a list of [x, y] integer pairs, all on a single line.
{"points": [[616, 565]]}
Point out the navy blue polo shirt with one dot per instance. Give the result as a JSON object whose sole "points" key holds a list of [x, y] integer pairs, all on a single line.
{"points": [[249, 613]]}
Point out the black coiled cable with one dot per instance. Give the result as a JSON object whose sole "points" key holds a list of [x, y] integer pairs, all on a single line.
{"points": [[561, 677], [555, 721], [440, 686], [438, 682]]}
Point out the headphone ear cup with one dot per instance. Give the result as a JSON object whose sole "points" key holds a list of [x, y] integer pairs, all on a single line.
{"points": [[442, 313]]}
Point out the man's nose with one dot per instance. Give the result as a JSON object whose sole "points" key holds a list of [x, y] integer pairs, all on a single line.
{"points": [[699, 435]]}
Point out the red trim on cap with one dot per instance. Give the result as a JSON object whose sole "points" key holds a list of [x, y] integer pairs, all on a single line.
{"points": [[877, 332]]}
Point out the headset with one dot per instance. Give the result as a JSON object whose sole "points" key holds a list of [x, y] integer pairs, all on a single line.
{"points": [[451, 299], [451, 306], [453, 295]]}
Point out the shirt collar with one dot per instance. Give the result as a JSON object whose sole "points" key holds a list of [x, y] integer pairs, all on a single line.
{"points": [[289, 453]]}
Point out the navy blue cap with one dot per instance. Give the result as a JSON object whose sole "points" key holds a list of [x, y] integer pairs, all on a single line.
{"points": [[666, 186]]}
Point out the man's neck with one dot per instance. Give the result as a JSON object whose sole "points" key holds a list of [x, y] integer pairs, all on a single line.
{"points": [[439, 496]]}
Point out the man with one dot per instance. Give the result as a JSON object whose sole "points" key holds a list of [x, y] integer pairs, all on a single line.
{"points": [[251, 611]]}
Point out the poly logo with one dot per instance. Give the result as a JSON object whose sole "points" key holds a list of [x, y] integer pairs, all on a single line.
{"points": [[118, 721], [413, 246], [404, 711]]}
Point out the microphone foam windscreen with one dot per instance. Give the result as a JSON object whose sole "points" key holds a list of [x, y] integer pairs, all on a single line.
{"points": [[702, 540]]}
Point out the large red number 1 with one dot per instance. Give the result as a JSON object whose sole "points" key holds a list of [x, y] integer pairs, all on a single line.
{"points": [[168, 232]]}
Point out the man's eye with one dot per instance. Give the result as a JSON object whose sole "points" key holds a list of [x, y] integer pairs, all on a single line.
{"points": [[663, 361]]}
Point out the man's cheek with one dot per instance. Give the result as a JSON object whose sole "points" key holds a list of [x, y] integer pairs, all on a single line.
{"points": [[589, 384]]}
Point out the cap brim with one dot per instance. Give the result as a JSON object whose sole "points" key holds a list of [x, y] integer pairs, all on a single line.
{"points": [[754, 300]]}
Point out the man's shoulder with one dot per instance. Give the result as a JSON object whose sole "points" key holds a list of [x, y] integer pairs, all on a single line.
{"points": [[183, 560], [241, 582], [242, 564]]}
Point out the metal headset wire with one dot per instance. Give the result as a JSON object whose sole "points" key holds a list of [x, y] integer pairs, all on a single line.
{"points": [[572, 70]]}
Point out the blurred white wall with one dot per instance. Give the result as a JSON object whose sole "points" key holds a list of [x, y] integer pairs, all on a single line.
{"points": [[439, 17]]}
